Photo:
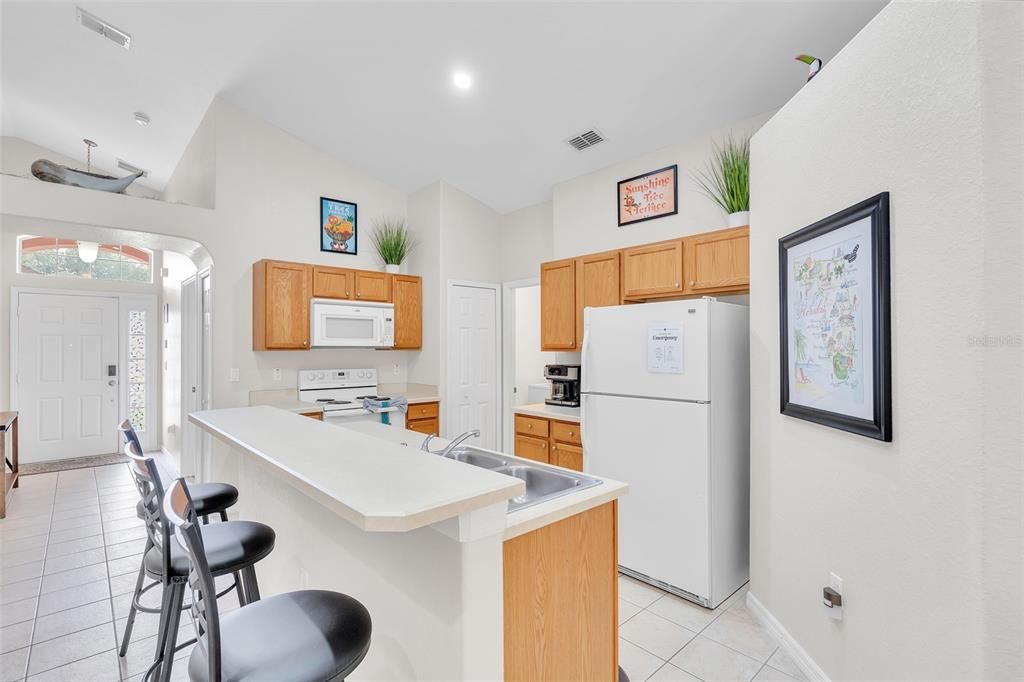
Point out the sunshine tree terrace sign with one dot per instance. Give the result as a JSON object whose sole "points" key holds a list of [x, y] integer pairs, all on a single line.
{"points": [[648, 196]]}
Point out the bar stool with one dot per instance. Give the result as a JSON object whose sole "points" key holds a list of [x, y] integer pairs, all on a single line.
{"points": [[304, 636], [211, 498], [232, 547]]}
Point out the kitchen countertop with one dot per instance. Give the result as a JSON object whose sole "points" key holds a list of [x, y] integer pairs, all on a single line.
{"points": [[296, 406], [565, 414], [414, 393], [371, 482]]}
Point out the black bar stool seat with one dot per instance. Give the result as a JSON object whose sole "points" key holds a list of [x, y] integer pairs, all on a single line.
{"points": [[304, 636], [229, 547], [209, 498], [213, 498]]}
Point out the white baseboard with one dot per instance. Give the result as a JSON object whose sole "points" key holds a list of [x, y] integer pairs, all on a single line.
{"points": [[803, 660]]}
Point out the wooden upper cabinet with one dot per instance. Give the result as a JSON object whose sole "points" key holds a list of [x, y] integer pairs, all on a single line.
{"points": [[407, 294], [652, 270], [558, 305], [280, 305], [371, 286], [718, 261], [597, 284], [332, 282]]}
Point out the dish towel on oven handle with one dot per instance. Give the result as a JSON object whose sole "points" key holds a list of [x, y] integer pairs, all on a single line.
{"points": [[378, 407]]}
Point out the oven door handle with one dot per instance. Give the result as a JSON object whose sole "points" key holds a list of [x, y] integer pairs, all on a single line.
{"points": [[362, 412]]}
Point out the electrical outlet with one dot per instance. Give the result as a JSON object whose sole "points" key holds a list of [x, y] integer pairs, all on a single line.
{"points": [[395, 370], [235, 375], [277, 374]]}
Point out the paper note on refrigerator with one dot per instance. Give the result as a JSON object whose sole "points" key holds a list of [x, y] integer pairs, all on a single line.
{"points": [[665, 349]]}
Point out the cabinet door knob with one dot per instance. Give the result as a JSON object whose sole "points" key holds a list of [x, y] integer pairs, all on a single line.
{"points": [[571, 434], [358, 295], [692, 282], [677, 284]]}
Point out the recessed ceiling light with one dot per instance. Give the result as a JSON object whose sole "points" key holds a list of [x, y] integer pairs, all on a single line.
{"points": [[462, 80], [141, 118]]}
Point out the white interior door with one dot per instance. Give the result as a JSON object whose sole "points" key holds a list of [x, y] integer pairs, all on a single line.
{"points": [[67, 375], [473, 353], [190, 374]]}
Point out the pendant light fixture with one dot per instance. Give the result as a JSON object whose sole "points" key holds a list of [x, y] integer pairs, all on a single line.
{"points": [[87, 251]]}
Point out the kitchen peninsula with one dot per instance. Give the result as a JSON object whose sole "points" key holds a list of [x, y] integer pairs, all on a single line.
{"points": [[457, 587]]}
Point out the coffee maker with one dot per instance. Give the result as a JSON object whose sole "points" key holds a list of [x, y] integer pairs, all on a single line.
{"points": [[565, 385]]}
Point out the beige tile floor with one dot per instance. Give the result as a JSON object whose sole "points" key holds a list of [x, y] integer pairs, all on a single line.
{"points": [[667, 639], [70, 550]]}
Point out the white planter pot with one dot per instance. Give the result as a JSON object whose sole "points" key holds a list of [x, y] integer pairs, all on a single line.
{"points": [[393, 269], [739, 218]]}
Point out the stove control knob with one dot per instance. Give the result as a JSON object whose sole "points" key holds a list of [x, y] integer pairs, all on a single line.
{"points": [[362, 375], [320, 375], [310, 376]]}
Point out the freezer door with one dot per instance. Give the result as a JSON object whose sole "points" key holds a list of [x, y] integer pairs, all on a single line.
{"points": [[660, 448], [619, 356]]}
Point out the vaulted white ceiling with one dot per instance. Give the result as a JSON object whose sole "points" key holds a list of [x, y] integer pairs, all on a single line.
{"points": [[370, 83]]}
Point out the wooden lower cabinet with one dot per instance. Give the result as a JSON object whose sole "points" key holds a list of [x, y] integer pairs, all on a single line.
{"points": [[566, 456], [319, 416], [549, 441], [423, 417], [561, 600], [529, 447]]}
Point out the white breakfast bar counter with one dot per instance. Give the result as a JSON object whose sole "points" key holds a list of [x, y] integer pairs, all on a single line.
{"points": [[417, 538]]}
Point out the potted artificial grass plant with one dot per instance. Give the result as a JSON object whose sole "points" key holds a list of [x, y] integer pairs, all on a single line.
{"points": [[392, 241], [726, 179]]}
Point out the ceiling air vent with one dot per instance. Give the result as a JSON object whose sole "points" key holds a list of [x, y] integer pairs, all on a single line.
{"points": [[586, 140], [97, 25], [125, 166]]}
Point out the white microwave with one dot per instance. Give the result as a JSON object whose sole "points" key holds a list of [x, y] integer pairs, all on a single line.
{"points": [[347, 324]]}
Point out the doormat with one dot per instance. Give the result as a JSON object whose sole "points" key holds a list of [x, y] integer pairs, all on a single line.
{"points": [[72, 463]]}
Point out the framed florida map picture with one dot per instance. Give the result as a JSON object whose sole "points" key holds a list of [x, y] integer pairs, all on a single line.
{"points": [[834, 321], [648, 196]]}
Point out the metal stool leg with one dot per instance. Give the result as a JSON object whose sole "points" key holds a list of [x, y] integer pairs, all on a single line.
{"points": [[239, 588], [223, 515], [136, 596], [252, 588], [165, 647]]}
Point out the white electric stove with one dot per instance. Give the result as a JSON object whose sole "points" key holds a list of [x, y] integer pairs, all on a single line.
{"points": [[341, 393]]}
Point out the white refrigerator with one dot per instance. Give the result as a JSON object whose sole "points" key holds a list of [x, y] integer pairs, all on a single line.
{"points": [[665, 400]]}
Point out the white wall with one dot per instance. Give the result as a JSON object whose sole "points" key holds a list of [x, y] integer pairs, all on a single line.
{"points": [[585, 216], [268, 186], [926, 103], [526, 241], [18, 155], [425, 261], [179, 268], [530, 359]]}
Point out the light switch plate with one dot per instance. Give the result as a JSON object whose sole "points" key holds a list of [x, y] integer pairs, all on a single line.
{"points": [[277, 374], [235, 375]]}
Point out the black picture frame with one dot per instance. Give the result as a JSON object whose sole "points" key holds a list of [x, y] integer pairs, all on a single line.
{"points": [[879, 426], [328, 207], [675, 195]]}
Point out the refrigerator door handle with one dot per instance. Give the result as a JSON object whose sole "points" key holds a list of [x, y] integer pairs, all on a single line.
{"points": [[583, 422], [583, 360]]}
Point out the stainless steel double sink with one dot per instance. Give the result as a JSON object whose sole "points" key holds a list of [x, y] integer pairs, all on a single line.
{"points": [[543, 482]]}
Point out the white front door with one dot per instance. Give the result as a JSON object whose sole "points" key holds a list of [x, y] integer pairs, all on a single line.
{"points": [[473, 362], [67, 375]]}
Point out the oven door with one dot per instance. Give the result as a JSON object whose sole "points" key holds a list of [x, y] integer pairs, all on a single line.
{"points": [[341, 325]]}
